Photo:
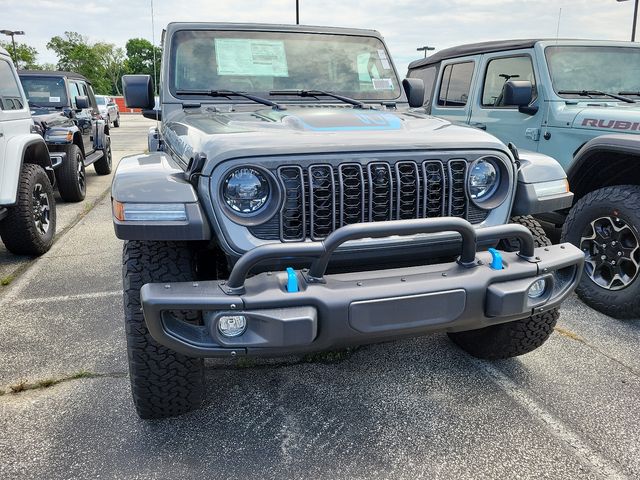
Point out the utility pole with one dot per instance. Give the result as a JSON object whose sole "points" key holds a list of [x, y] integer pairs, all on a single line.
{"points": [[635, 19], [425, 49], [298, 12], [12, 34]]}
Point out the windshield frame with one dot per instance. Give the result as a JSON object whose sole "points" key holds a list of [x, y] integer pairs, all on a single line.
{"points": [[64, 102], [292, 99], [576, 97]]}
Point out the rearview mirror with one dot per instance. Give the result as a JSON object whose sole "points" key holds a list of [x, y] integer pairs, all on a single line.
{"points": [[414, 88], [82, 102], [138, 91]]}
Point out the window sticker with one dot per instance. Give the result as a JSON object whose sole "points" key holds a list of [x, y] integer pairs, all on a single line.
{"points": [[384, 60], [382, 84], [54, 99], [250, 57]]}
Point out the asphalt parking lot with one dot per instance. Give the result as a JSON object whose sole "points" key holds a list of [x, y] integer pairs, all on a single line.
{"points": [[411, 409]]}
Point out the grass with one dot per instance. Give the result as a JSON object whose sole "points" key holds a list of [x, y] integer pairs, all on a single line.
{"points": [[23, 385], [4, 281], [569, 334]]}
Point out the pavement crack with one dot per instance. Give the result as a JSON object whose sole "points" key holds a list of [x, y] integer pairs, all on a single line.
{"points": [[577, 338], [24, 385]]}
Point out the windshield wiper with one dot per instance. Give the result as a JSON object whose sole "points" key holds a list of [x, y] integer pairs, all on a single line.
{"points": [[316, 93], [590, 93], [637, 94], [231, 93]]}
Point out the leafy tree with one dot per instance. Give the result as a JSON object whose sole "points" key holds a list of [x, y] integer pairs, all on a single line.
{"points": [[140, 57], [25, 56]]}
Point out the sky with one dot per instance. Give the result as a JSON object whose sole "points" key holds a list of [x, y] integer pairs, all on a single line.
{"points": [[405, 24]]}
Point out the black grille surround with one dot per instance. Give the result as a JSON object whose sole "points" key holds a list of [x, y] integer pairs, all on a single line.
{"points": [[322, 197]]}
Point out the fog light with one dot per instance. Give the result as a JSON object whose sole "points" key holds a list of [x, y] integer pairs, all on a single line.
{"points": [[537, 288], [232, 325]]}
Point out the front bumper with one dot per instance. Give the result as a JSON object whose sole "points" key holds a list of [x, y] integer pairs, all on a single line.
{"points": [[331, 311]]}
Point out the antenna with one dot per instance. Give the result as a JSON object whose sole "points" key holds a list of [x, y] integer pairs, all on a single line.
{"points": [[558, 28], [155, 63]]}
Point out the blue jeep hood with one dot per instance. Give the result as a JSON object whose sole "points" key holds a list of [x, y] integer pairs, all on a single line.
{"points": [[606, 116], [315, 129]]}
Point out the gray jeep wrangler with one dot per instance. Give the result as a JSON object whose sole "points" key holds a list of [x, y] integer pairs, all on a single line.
{"points": [[292, 201]]}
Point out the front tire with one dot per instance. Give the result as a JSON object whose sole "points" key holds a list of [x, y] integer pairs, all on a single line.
{"points": [[605, 225], [116, 122], [515, 338], [30, 225], [71, 176], [104, 165], [164, 383]]}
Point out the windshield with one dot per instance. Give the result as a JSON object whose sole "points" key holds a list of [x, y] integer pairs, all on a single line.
{"points": [[259, 62], [101, 100], [45, 91], [594, 68]]}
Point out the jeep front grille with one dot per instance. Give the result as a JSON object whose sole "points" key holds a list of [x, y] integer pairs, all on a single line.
{"points": [[318, 199]]}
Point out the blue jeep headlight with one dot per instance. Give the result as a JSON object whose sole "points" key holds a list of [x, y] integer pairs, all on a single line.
{"points": [[484, 178], [245, 190]]}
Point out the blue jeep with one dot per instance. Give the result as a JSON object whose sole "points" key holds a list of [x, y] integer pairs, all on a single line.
{"points": [[577, 101]]}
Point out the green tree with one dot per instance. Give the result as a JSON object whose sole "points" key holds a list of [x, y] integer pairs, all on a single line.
{"points": [[140, 57], [25, 56]]}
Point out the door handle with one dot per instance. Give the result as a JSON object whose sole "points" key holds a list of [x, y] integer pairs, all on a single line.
{"points": [[481, 126]]}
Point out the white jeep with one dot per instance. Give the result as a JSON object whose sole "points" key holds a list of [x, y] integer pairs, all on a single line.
{"points": [[27, 204]]}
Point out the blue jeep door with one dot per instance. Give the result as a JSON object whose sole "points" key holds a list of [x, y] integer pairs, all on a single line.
{"points": [[488, 109], [452, 97]]}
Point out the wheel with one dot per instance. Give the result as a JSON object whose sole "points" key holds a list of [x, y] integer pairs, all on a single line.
{"points": [[515, 338], [71, 176], [116, 122], [164, 383], [30, 225], [103, 166], [605, 225]]}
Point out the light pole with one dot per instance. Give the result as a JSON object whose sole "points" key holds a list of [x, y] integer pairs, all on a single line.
{"points": [[297, 12], [426, 49], [12, 34], [635, 19]]}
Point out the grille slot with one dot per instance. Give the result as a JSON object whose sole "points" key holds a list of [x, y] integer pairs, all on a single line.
{"points": [[320, 198]]}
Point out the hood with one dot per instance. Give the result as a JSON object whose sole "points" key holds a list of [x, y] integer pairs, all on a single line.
{"points": [[315, 129], [608, 117]]}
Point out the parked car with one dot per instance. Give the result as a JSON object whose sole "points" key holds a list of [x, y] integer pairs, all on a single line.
{"points": [[292, 202], [27, 203], [578, 101], [108, 108], [64, 109]]}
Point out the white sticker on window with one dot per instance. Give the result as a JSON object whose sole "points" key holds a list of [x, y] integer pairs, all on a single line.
{"points": [[384, 60], [382, 84], [248, 57], [54, 99]]}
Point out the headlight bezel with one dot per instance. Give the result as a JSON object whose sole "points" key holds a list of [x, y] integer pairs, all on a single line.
{"points": [[499, 192], [262, 214]]}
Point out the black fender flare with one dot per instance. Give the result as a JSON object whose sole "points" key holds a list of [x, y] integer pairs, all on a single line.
{"points": [[617, 143]]}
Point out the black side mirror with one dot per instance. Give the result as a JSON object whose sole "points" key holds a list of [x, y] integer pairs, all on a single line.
{"points": [[138, 91], [517, 93], [414, 88], [82, 102]]}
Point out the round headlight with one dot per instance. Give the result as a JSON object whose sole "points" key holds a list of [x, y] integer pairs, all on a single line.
{"points": [[483, 179], [245, 190]]}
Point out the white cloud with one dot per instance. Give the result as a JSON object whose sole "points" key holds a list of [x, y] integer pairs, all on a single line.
{"points": [[406, 24]]}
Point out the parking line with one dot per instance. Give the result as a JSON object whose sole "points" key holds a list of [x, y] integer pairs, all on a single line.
{"points": [[64, 298], [555, 426]]}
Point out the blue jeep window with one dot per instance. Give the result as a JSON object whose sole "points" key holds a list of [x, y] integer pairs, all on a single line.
{"points": [[456, 82], [10, 97], [499, 71]]}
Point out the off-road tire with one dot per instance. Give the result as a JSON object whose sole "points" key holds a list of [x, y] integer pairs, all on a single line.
{"points": [[71, 176], [116, 122], [621, 201], [104, 165], [164, 383], [507, 340], [18, 230], [511, 339]]}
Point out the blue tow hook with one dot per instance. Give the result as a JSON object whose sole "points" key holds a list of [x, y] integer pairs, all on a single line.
{"points": [[292, 281], [496, 259]]}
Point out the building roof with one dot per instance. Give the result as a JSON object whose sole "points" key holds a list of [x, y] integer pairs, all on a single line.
{"points": [[51, 73]]}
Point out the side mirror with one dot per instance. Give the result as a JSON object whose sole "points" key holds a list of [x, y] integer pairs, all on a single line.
{"points": [[517, 93], [414, 88], [138, 91], [82, 102]]}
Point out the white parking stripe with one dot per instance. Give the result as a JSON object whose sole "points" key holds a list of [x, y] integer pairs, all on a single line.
{"points": [[64, 298], [554, 425]]}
